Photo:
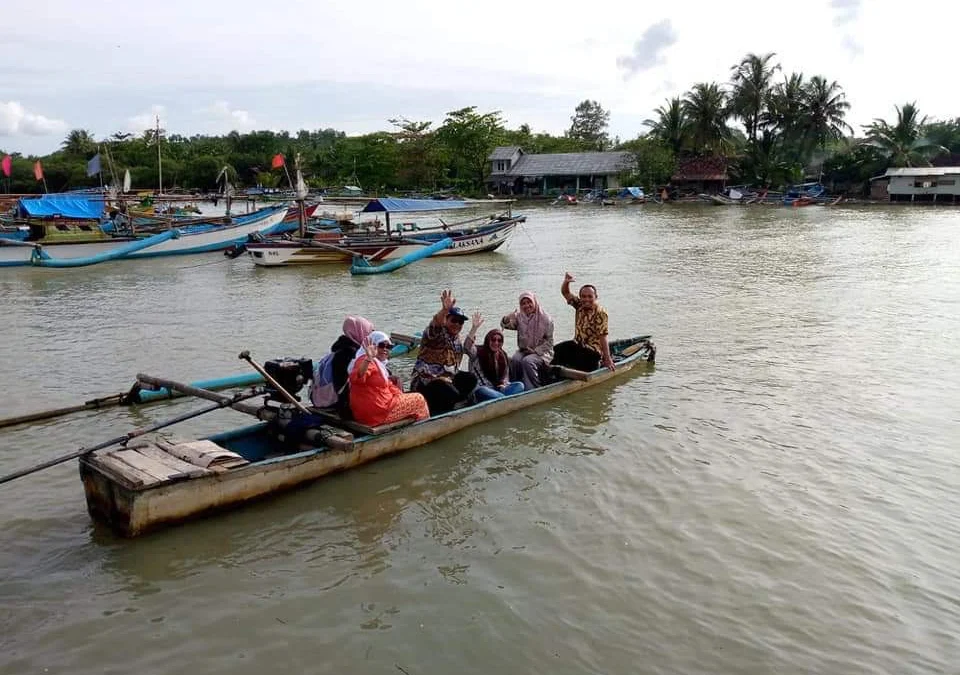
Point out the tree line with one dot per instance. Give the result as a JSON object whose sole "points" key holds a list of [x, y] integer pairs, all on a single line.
{"points": [[774, 128]]}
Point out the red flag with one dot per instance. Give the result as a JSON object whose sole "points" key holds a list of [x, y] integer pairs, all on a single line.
{"points": [[278, 161], [38, 170], [7, 165]]}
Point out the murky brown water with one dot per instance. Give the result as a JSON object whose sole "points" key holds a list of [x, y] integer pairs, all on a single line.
{"points": [[779, 495]]}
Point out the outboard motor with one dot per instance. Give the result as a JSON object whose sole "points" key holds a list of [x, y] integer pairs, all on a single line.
{"points": [[291, 374]]}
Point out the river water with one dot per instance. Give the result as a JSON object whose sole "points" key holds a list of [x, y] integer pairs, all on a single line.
{"points": [[780, 494]]}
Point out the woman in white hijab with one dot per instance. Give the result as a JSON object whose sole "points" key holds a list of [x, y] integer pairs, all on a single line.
{"points": [[374, 398]]}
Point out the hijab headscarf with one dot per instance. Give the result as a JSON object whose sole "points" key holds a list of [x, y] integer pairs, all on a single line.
{"points": [[376, 337], [531, 328], [356, 328], [494, 364]]}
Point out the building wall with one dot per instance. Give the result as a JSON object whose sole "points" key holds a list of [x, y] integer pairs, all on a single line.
{"points": [[914, 185]]}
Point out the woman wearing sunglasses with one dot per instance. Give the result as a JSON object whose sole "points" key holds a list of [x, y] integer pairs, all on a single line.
{"points": [[375, 398], [491, 366]]}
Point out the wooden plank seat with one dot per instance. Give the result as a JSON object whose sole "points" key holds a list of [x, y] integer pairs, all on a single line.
{"points": [[145, 464], [335, 420]]}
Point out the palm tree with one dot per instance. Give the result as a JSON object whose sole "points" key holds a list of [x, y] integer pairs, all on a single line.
{"points": [[670, 127], [79, 142], [705, 107], [751, 87], [825, 110], [903, 142]]}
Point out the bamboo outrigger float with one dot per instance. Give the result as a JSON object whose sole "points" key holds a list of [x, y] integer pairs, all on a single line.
{"points": [[143, 487]]}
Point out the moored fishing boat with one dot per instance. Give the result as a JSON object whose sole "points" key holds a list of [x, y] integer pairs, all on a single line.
{"points": [[140, 488], [63, 244], [391, 242]]}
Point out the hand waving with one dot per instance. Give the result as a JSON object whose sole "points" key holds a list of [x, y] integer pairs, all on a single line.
{"points": [[447, 300], [477, 320], [568, 278], [369, 349]]}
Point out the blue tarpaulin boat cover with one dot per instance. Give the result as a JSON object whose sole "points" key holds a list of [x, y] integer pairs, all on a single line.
{"points": [[391, 205], [631, 193], [63, 205]]}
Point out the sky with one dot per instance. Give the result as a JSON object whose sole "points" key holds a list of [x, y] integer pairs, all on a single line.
{"points": [[215, 66]]}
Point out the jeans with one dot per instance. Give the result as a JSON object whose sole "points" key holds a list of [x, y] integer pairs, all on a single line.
{"points": [[488, 393]]}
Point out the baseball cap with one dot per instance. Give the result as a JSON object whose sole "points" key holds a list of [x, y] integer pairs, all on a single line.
{"points": [[457, 312]]}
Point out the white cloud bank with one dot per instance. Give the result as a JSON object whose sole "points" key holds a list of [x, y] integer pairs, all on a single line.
{"points": [[15, 120]]}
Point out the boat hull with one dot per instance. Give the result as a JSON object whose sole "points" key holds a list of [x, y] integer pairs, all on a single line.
{"points": [[198, 239], [115, 497], [332, 249]]}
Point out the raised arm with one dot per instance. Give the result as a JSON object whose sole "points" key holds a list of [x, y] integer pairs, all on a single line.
{"points": [[510, 321], [471, 341], [446, 302], [565, 288]]}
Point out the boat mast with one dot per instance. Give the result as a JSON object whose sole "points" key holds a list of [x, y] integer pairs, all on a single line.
{"points": [[159, 158]]}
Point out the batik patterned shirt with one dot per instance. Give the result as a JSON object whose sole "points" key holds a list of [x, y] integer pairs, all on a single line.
{"points": [[590, 327]]}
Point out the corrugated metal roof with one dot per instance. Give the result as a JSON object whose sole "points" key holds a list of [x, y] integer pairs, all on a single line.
{"points": [[923, 171], [503, 152], [572, 164]]}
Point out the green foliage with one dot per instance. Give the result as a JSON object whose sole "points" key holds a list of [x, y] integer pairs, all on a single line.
{"points": [[904, 143], [469, 137], [588, 126], [655, 162]]}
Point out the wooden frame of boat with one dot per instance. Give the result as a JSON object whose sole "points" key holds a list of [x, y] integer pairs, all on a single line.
{"points": [[137, 489]]}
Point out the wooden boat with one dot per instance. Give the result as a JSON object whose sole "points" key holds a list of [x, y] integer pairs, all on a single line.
{"points": [[143, 487], [395, 241], [68, 244]]}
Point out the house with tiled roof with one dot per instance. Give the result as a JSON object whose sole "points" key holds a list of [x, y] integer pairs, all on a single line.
{"points": [[512, 171]]}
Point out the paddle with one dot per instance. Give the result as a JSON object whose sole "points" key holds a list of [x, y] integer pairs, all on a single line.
{"points": [[130, 435]]}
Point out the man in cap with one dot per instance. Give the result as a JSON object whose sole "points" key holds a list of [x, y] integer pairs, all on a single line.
{"points": [[437, 374]]}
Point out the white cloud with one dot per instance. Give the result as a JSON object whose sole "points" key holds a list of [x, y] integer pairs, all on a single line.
{"points": [[846, 11], [238, 120], [146, 120], [15, 120], [648, 50]]}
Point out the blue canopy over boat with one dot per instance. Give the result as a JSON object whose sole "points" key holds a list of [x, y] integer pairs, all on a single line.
{"points": [[392, 205], [62, 205]]}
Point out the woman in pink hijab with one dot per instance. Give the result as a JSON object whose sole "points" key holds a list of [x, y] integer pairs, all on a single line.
{"points": [[534, 341], [355, 331]]}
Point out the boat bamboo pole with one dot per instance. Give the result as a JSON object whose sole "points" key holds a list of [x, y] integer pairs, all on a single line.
{"points": [[130, 435], [189, 390]]}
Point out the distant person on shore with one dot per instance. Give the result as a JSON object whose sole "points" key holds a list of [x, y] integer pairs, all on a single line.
{"points": [[491, 366], [375, 398], [534, 341], [436, 374], [589, 347]]}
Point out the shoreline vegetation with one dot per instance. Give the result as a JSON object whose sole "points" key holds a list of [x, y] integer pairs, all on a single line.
{"points": [[773, 129]]}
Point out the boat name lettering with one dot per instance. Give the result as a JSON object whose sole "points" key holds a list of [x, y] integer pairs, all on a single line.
{"points": [[468, 242]]}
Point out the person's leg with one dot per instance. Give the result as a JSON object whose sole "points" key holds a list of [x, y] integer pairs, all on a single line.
{"points": [[586, 359], [530, 369], [513, 388], [409, 405], [563, 353], [486, 393], [440, 395], [465, 383]]}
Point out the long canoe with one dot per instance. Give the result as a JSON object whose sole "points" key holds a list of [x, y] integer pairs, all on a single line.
{"points": [[139, 488]]}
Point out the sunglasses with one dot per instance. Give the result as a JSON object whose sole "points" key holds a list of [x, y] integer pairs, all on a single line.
{"points": [[457, 319], [384, 345], [496, 339]]}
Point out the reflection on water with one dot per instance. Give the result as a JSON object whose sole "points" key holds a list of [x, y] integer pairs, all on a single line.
{"points": [[778, 495]]}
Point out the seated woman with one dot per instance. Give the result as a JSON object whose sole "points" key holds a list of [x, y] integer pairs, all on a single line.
{"points": [[589, 346], [489, 363], [330, 381], [374, 397], [534, 341]]}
